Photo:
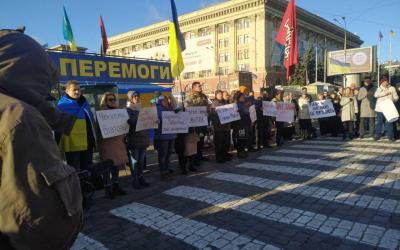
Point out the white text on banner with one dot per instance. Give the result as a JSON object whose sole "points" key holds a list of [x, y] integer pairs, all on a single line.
{"points": [[321, 109]]}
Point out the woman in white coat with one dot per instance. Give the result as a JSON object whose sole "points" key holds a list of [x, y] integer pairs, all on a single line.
{"points": [[349, 110]]}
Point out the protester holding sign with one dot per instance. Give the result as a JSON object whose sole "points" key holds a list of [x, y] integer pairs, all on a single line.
{"points": [[279, 124], [78, 146], [114, 149], [241, 127], [137, 141], [304, 115], [335, 124], [386, 96], [197, 98], [348, 114], [164, 141], [222, 135], [367, 107], [289, 127]]}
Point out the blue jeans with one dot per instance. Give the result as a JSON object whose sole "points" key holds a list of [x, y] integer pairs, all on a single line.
{"points": [[114, 171], [140, 156], [164, 148], [380, 119]]}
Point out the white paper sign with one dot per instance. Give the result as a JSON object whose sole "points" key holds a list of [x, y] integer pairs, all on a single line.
{"points": [[253, 114], [147, 119], [284, 112], [321, 109], [198, 116], [228, 113], [269, 108], [113, 122], [174, 123]]}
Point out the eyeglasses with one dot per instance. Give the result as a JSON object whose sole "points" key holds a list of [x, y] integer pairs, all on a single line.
{"points": [[111, 100]]}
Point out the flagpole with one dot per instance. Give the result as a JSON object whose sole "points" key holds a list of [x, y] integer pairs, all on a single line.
{"points": [[390, 55], [379, 46]]}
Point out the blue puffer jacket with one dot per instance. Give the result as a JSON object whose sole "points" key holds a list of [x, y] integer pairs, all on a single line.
{"points": [[158, 134]]}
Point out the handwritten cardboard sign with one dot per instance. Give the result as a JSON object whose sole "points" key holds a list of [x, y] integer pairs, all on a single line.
{"points": [[174, 123], [147, 119], [113, 122], [228, 113]]}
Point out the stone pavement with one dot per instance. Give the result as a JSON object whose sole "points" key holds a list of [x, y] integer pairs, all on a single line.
{"points": [[317, 194]]}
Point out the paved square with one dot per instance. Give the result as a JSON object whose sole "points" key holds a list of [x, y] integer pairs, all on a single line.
{"points": [[317, 194]]}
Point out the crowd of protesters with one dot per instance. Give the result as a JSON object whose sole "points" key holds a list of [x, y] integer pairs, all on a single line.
{"points": [[356, 113]]}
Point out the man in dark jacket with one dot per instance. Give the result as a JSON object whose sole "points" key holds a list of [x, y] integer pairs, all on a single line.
{"points": [[40, 196]]}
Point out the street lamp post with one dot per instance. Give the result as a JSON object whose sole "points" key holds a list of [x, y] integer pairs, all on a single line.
{"points": [[345, 43]]}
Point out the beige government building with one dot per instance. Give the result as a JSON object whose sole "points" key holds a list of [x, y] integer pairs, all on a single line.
{"points": [[235, 35]]}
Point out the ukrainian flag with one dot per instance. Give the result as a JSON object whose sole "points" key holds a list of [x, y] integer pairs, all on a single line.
{"points": [[176, 44], [67, 30], [337, 67]]}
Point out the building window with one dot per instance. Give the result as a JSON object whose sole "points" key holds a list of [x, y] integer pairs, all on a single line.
{"points": [[243, 39], [205, 73], [240, 55], [125, 51], [240, 39], [226, 42], [246, 39], [160, 42], [246, 54], [243, 23], [205, 86], [223, 70], [220, 43], [224, 57], [188, 75], [136, 47], [189, 35], [223, 28], [243, 67], [148, 45], [204, 31]]}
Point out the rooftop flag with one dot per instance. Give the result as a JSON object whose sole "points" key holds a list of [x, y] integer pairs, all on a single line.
{"points": [[67, 31], [104, 44], [287, 36], [391, 33], [176, 44]]}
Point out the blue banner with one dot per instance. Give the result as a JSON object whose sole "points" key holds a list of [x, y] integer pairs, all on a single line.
{"points": [[107, 69]]}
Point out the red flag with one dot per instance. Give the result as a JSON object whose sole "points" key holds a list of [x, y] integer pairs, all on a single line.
{"points": [[104, 43], [287, 36]]}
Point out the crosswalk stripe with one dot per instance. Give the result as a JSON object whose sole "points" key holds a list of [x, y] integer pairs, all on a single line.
{"points": [[326, 175], [305, 189], [354, 142], [351, 148], [390, 168], [192, 232], [353, 231], [340, 154], [84, 242]]}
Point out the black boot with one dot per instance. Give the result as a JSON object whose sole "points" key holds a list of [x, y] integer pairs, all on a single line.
{"points": [[109, 193], [118, 190], [143, 182]]}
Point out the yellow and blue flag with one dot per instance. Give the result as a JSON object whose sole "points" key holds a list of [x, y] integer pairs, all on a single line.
{"points": [[67, 31], [337, 67], [176, 44], [391, 33]]}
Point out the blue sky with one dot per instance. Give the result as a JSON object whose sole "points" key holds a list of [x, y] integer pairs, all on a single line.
{"points": [[43, 18]]}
